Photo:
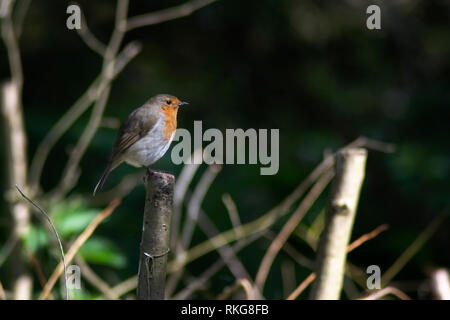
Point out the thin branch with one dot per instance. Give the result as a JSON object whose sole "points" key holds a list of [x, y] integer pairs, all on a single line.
{"points": [[39, 272], [57, 237], [94, 279], [131, 283], [202, 279], [70, 173], [352, 246], [232, 210], [81, 239], [89, 39], [166, 14], [181, 186], [195, 203], [245, 230], [75, 111], [291, 251], [11, 43], [412, 249], [214, 268], [191, 220], [364, 142], [8, 248], [235, 265], [305, 283], [264, 221], [125, 286], [245, 284], [288, 276], [289, 227], [38, 269], [69, 176], [366, 237], [19, 16], [2, 292], [384, 292]]}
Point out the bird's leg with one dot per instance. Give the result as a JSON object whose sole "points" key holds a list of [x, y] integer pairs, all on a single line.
{"points": [[149, 172]]}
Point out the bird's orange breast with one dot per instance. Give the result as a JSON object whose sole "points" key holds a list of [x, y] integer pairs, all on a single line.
{"points": [[170, 120]]}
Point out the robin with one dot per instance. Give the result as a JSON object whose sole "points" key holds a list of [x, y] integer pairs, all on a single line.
{"points": [[145, 135]]}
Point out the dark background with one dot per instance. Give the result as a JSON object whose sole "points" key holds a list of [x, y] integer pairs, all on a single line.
{"points": [[310, 68]]}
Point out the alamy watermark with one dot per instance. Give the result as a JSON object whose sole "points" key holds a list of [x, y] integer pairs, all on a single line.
{"points": [[374, 280], [373, 22], [235, 147], [73, 277]]}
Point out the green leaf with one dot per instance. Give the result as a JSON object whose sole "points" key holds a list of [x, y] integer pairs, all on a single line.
{"points": [[75, 222], [36, 238], [72, 217], [102, 251]]}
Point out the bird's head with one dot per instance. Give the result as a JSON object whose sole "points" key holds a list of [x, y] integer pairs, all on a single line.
{"points": [[167, 102]]}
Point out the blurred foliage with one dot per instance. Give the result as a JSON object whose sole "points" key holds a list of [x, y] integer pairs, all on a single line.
{"points": [[309, 68]]}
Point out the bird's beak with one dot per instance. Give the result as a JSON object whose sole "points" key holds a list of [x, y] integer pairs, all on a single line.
{"points": [[182, 103]]}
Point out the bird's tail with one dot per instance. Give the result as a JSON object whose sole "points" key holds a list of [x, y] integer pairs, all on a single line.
{"points": [[103, 178]]}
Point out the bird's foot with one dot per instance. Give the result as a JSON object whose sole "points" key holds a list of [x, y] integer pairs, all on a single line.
{"points": [[148, 174]]}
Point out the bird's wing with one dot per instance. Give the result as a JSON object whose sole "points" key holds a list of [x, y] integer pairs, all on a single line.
{"points": [[136, 126]]}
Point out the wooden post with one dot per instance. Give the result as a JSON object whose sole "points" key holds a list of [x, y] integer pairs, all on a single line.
{"points": [[155, 241], [340, 214]]}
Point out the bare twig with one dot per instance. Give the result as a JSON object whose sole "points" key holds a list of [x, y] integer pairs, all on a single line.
{"points": [[305, 283], [384, 292], [264, 221], [124, 287], [289, 227], [47, 217], [19, 16], [352, 246], [412, 249], [245, 284], [364, 142], [214, 268], [88, 38], [81, 239], [181, 186], [2, 292], [11, 43], [250, 228], [70, 172], [195, 203], [232, 210], [167, 14], [75, 111], [191, 220], [288, 276], [367, 237], [38, 269], [94, 279], [8, 248], [291, 251], [235, 265]]}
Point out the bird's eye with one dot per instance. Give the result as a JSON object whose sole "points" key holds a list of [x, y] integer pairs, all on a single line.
{"points": [[168, 102]]}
